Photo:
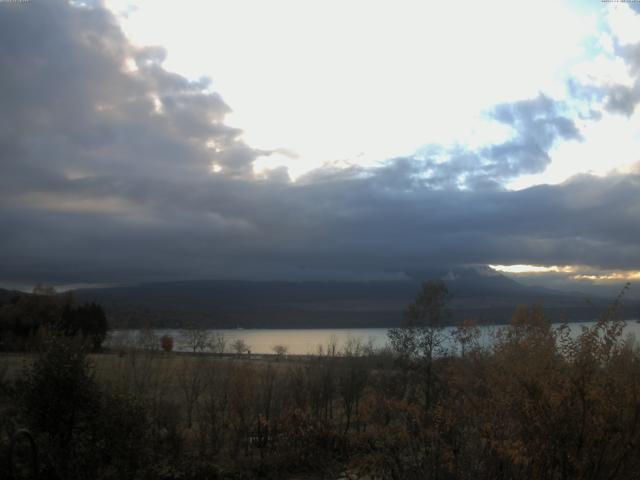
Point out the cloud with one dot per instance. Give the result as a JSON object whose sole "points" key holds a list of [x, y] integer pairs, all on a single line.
{"points": [[620, 98], [73, 105], [119, 174], [623, 99], [537, 125]]}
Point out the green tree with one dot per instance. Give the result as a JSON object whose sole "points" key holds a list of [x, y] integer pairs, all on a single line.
{"points": [[87, 320], [56, 393], [83, 431]]}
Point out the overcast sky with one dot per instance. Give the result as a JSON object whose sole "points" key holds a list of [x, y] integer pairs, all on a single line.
{"points": [[148, 140]]}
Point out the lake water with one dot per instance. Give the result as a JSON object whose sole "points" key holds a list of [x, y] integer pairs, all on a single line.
{"points": [[308, 341]]}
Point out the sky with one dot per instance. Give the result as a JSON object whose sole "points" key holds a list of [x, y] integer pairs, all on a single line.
{"points": [[149, 140]]}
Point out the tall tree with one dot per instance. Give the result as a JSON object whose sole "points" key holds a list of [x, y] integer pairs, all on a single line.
{"points": [[421, 336]]}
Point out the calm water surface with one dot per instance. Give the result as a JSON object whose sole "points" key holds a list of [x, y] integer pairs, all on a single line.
{"points": [[308, 341]]}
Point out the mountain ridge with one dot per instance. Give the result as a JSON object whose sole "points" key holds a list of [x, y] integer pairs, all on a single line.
{"points": [[315, 304], [477, 292]]}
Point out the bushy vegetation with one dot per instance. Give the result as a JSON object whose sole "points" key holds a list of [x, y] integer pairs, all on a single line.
{"points": [[26, 320], [536, 403]]}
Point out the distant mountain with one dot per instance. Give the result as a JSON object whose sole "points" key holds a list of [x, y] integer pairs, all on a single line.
{"points": [[6, 295], [482, 286], [479, 293]]}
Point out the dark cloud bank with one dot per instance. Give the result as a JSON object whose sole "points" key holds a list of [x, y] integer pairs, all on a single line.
{"points": [[106, 176]]}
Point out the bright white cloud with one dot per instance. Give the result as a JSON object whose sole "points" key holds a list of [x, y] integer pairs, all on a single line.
{"points": [[610, 143], [624, 23], [364, 81]]}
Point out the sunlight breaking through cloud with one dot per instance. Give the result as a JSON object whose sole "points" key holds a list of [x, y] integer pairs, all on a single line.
{"points": [[532, 268], [606, 277]]}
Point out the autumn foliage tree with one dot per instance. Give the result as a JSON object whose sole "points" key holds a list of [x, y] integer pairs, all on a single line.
{"points": [[166, 343], [534, 401]]}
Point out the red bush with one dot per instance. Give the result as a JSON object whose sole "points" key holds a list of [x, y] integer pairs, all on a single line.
{"points": [[166, 342]]}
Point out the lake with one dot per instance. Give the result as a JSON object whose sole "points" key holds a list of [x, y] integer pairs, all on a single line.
{"points": [[308, 341]]}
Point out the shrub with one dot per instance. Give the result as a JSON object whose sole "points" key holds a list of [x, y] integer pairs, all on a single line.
{"points": [[83, 432], [166, 343]]}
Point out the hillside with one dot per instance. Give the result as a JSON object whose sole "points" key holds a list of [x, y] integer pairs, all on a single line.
{"points": [[482, 294], [6, 295]]}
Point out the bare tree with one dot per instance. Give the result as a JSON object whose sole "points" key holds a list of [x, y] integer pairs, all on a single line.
{"points": [[280, 350], [239, 346], [218, 343], [422, 335], [355, 347], [467, 334], [352, 380], [194, 338], [332, 346], [143, 373], [213, 417], [191, 379], [265, 406], [119, 341], [148, 340]]}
